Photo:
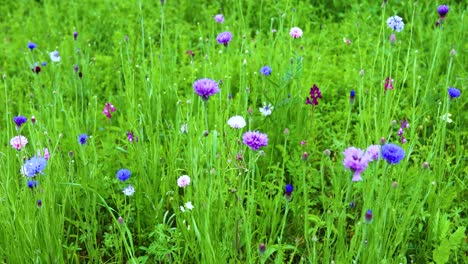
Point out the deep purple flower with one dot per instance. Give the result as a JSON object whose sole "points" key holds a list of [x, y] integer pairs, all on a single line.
{"points": [[131, 137], [32, 45], [33, 166], [32, 184], [315, 94], [443, 10], [108, 109], [453, 92], [392, 153], [75, 35], [262, 248], [205, 88], [20, 120], [356, 161], [123, 174], [265, 70], [255, 139], [224, 38], [368, 216], [83, 139]]}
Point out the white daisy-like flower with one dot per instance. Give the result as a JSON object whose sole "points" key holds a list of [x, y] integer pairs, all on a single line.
{"points": [[189, 205], [395, 23], [447, 118], [266, 109], [236, 122], [129, 190], [182, 209], [55, 56], [184, 128]]}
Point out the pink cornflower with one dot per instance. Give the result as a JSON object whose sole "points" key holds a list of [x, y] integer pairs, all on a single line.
{"points": [[108, 109], [295, 32], [19, 142], [183, 181]]}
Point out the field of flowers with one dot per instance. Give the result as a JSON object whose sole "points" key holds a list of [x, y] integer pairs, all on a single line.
{"points": [[233, 132]]}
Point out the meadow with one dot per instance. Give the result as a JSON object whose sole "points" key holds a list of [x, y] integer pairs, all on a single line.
{"points": [[233, 132]]}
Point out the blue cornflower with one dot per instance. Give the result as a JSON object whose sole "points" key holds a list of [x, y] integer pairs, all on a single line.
{"points": [[123, 174], [392, 153], [32, 45], [288, 192], [265, 70], [443, 10], [20, 120], [352, 94], [34, 166], [453, 92], [83, 139], [32, 184], [44, 63]]}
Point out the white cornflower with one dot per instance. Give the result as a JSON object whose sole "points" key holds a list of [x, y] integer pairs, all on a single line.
{"points": [[184, 128], [266, 109], [55, 56], [129, 190], [447, 118], [236, 122], [189, 205]]}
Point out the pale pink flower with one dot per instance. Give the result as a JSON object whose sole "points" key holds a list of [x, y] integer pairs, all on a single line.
{"points": [[19, 142], [183, 181], [295, 32]]}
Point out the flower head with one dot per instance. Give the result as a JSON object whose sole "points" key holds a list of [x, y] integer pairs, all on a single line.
{"points": [[36, 68], [236, 122], [19, 142], [32, 184], [368, 216], [75, 35], [356, 161], [453, 92], [20, 120], [183, 181], [219, 18], [392, 153], [255, 140], [315, 94], [395, 23], [265, 70], [83, 139], [443, 10], [295, 32], [184, 128], [288, 192], [388, 84], [205, 88], [131, 138], [447, 118], [373, 152], [108, 109], [129, 190], [224, 38], [266, 109], [32, 45], [33, 166], [55, 56], [123, 174]]}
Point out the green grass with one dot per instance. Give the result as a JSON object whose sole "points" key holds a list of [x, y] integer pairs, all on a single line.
{"points": [[133, 55]]}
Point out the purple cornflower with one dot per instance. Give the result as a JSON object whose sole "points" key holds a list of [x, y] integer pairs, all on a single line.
{"points": [[392, 153], [205, 88], [315, 94], [123, 174], [373, 152], [32, 184], [368, 216], [388, 84], [131, 137], [453, 92], [33, 166], [255, 139], [32, 45], [265, 70], [288, 192], [224, 38], [356, 161], [108, 109], [83, 139], [20, 120], [75, 35], [443, 10], [219, 18]]}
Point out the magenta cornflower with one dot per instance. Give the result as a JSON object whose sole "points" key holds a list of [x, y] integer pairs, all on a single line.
{"points": [[224, 38], [355, 160], [205, 88], [315, 94], [255, 140], [108, 109]]}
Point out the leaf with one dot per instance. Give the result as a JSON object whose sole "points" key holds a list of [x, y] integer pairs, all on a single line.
{"points": [[442, 252], [457, 238]]}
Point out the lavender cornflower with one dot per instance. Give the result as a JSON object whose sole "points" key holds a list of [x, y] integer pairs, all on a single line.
{"points": [[356, 161], [83, 139], [224, 38], [265, 70], [443, 10], [288, 192], [219, 18], [453, 92], [395, 23], [205, 88], [123, 174], [373, 152], [368, 216], [32, 45], [267, 109], [108, 109], [33, 166], [315, 94], [392, 153], [255, 140], [20, 120]]}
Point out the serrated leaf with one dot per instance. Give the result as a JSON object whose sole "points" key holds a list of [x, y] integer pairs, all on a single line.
{"points": [[442, 252]]}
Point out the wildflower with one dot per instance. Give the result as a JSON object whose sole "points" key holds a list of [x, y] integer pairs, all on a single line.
{"points": [[368, 216], [32, 45], [236, 122], [189, 205], [129, 190], [33, 166], [33, 119], [352, 94], [32, 184], [75, 35], [288, 192], [19, 120], [388, 84], [352, 205], [75, 68], [453, 92], [373, 152], [190, 53], [182, 209], [55, 56], [224, 38], [315, 94], [255, 140], [46, 153], [205, 88], [395, 23], [266, 109], [453, 52], [426, 165], [356, 161], [44, 63], [392, 38], [265, 70], [326, 152], [183, 181], [443, 10], [39, 203], [394, 184], [295, 32], [184, 128], [403, 124], [305, 156], [120, 220], [83, 139], [108, 109], [262, 248], [123, 174], [36, 68], [447, 118], [219, 18], [392, 153], [19, 142], [303, 142]]}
